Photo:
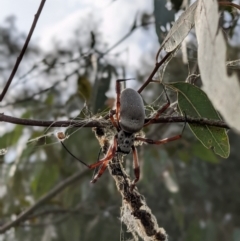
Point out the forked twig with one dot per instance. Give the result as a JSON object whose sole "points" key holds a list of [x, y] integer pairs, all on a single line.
{"points": [[19, 59], [157, 66]]}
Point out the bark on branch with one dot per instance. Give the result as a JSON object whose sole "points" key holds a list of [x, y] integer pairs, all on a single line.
{"points": [[135, 212], [103, 122]]}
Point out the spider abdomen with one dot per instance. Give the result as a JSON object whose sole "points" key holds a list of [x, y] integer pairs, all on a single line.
{"points": [[132, 113]]}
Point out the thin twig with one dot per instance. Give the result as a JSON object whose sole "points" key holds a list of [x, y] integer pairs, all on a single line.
{"points": [[55, 212], [124, 38], [157, 66], [101, 55], [56, 190], [65, 213], [40, 92], [229, 4], [103, 122], [19, 59], [52, 222]]}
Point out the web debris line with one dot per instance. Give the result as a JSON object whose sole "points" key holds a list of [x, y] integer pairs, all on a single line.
{"points": [[135, 212]]}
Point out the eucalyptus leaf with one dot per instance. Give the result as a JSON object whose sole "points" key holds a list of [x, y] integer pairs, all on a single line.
{"points": [[180, 29], [44, 179], [84, 87], [219, 86], [194, 102], [11, 138]]}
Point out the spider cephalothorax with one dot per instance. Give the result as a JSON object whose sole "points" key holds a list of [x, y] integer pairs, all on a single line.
{"points": [[125, 141]]}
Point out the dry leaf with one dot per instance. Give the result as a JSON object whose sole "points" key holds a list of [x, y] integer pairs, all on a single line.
{"points": [[180, 29]]}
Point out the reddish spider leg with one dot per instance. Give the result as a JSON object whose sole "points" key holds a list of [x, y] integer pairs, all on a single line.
{"points": [[115, 124], [159, 142], [118, 104], [136, 167], [149, 141], [103, 162]]}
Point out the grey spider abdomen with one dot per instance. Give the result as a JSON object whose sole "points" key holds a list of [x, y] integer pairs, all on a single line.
{"points": [[132, 113]]}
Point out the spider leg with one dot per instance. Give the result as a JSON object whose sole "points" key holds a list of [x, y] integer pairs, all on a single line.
{"points": [[118, 92], [92, 166], [97, 169], [163, 141], [74, 155], [101, 171], [116, 125], [136, 167], [160, 110], [104, 162], [159, 142]]}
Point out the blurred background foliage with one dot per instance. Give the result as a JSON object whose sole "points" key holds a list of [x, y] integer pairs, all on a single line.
{"points": [[194, 194]]}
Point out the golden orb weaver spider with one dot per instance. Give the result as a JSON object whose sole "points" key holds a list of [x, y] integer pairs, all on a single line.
{"points": [[128, 118]]}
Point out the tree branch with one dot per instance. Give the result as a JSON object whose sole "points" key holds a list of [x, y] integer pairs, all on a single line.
{"points": [[124, 38], [52, 222], [19, 59], [19, 101], [157, 66], [225, 3], [135, 212], [103, 122], [55, 211], [60, 187]]}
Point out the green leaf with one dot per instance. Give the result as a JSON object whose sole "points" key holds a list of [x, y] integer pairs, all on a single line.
{"points": [[194, 231], [84, 87], [211, 232], [194, 102], [101, 86], [205, 155], [45, 177], [11, 138], [49, 100], [236, 234]]}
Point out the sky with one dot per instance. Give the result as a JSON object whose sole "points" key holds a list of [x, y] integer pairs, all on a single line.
{"points": [[60, 18]]}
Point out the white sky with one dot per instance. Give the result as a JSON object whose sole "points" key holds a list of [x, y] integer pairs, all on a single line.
{"points": [[59, 18]]}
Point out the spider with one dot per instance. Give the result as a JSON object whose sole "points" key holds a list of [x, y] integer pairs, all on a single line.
{"points": [[128, 118]]}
